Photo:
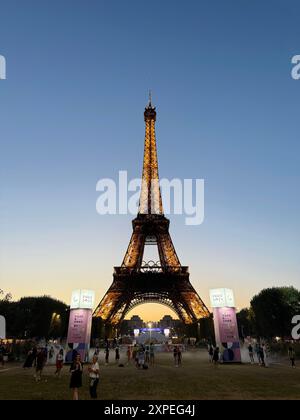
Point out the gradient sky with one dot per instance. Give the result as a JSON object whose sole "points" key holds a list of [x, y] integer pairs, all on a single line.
{"points": [[71, 112]]}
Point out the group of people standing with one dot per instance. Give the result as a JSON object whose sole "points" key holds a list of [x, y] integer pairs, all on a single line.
{"points": [[143, 356], [260, 350], [214, 354], [177, 354], [107, 353], [77, 370], [37, 357]]}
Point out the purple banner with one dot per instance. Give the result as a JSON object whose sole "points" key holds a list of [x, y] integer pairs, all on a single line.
{"points": [[79, 333], [227, 334]]}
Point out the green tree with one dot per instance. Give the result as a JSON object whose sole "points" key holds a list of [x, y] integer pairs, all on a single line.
{"points": [[273, 310], [35, 317], [245, 323]]}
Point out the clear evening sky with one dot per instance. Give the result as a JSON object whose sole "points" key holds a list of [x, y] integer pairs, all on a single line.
{"points": [[71, 112]]}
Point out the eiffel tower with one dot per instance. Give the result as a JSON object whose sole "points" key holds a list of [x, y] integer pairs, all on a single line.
{"points": [[137, 282]]}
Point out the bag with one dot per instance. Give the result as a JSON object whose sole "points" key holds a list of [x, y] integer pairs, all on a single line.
{"points": [[92, 383]]}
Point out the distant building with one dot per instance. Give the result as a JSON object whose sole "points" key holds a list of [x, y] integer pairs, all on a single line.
{"points": [[167, 322], [136, 322]]}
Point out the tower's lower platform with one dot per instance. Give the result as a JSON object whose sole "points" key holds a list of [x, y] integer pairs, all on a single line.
{"points": [[132, 288]]}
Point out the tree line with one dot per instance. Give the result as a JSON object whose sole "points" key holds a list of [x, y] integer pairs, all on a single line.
{"points": [[269, 315], [39, 317]]}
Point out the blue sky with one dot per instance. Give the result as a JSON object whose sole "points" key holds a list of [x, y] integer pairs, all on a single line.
{"points": [[71, 112]]}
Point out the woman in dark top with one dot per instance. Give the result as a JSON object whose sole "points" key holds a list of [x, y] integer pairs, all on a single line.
{"points": [[216, 356], [76, 377], [117, 354]]}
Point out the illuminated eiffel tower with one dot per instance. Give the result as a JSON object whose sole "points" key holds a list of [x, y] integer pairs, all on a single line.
{"points": [[137, 282]]}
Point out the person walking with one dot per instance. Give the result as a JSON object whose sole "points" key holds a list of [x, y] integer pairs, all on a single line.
{"points": [[175, 355], [292, 356], [59, 363], [76, 377], [117, 354], [40, 364], [141, 357], [210, 353], [147, 355], [29, 360], [216, 356], [262, 356], [179, 356], [129, 354], [257, 351], [251, 354], [133, 353], [2, 353], [107, 355], [152, 354], [94, 372]]}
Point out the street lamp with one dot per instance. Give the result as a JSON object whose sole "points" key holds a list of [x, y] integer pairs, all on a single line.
{"points": [[150, 329]]}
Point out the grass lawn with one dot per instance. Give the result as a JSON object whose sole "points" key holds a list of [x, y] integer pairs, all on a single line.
{"points": [[196, 379]]}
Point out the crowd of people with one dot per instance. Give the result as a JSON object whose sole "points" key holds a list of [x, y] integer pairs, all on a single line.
{"points": [[37, 358], [214, 354], [139, 355], [260, 352]]}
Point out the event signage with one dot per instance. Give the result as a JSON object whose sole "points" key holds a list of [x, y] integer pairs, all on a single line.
{"points": [[226, 326], [221, 298], [80, 324], [83, 299]]}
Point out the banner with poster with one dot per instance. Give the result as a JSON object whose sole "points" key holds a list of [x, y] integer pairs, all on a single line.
{"points": [[226, 326], [80, 324]]}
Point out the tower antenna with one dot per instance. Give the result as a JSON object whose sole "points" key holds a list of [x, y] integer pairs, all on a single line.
{"points": [[150, 97]]}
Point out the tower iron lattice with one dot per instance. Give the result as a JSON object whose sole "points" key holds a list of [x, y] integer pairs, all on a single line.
{"points": [[136, 282]]}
